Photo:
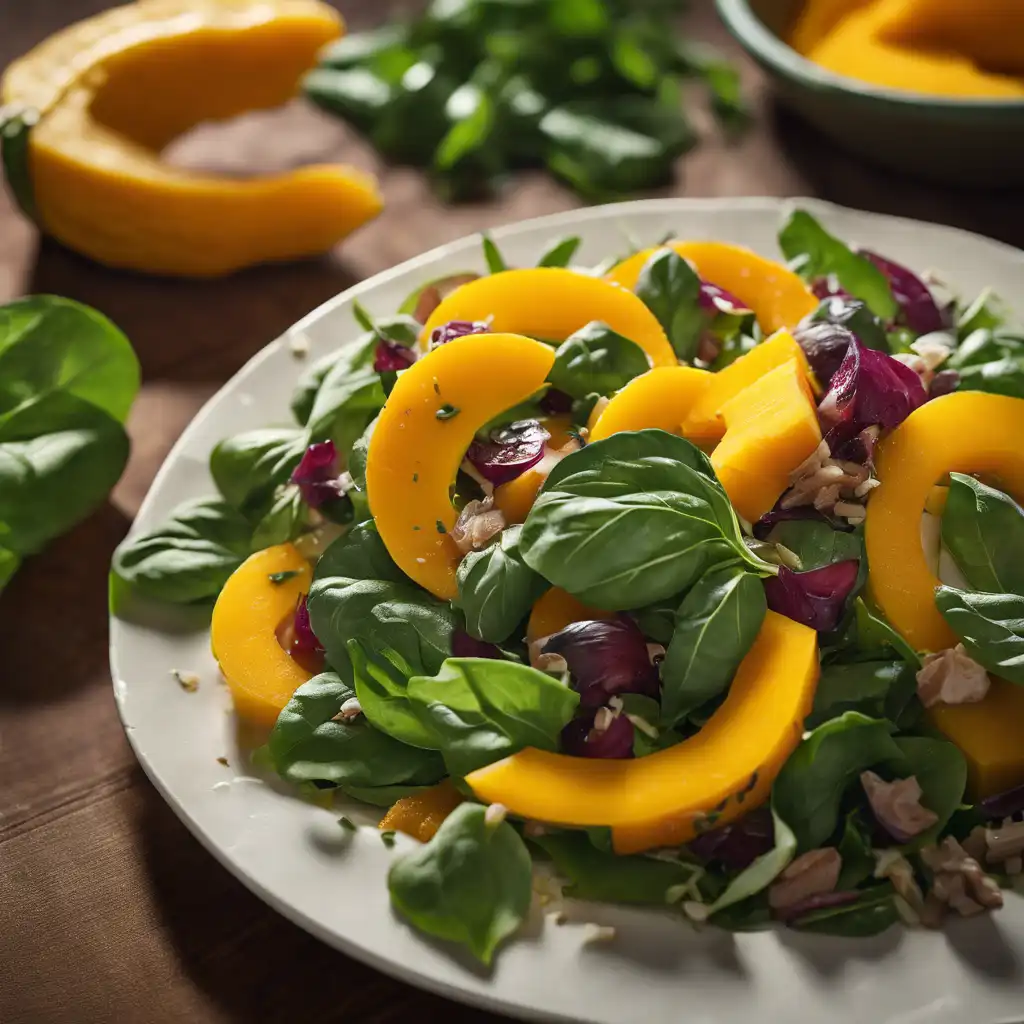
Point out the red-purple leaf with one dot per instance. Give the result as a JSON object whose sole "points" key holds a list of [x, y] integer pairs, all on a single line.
{"points": [[317, 475], [581, 738], [457, 329], [390, 356], [819, 901], [509, 452], [738, 845], [825, 346], [466, 646], [919, 309], [814, 598], [715, 300], [1003, 805]]}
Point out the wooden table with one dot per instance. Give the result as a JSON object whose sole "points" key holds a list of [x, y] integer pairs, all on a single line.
{"points": [[109, 909]]}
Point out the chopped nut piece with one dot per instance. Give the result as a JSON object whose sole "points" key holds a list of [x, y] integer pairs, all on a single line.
{"points": [[696, 912], [349, 709], [951, 676], [897, 805], [1004, 842], [813, 873], [959, 883], [495, 815], [478, 523], [975, 844], [188, 681], [600, 933], [603, 718], [893, 865], [298, 344]]}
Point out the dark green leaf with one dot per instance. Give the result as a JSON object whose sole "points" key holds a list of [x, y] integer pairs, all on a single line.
{"points": [[941, 772], [815, 253], [878, 689], [9, 563], [470, 884], [986, 312], [284, 520], [357, 470], [492, 255], [983, 346], [383, 796], [249, 467], [411, 125], [1002, 377], [817, 544], [472, 114], [497, 588], [596, 360], [670, 288], [362, 47], [858, 858], [357, 94], [16, 124], [657, 621], [991, 627], [340, 376], [856, 317], [560, 253], [480, 710], [873, 913], [869, 637], [715, 627]]}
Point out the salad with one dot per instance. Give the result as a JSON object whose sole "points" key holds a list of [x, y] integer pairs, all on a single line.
{"points": [[695, 575]]}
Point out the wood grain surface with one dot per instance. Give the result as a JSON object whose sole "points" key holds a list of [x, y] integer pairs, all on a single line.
{"points": [[109, 910]]}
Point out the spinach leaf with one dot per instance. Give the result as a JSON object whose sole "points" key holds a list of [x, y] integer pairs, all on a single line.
{"points": [[596, 360], [872, 914], [817, 544], [59, 458], [762, 872], [492, 254], [248, 467], [497, 588], [869, 637], [657, 621], [986, 312], [983, 529], [991, 627], [560, 253], [9, 563], [670, 288], [596, 875], [480, 710], [190, 556], [941, 772], [856, 317], [750, 915], [1003, 376], [715, 627], [470, 884], [630, 520], [286, 518], [984, 346], [383, 796], [50, 345], [357, 470], [814, 253], [308, 745], [808, 790], [856, 852], [877, 689]]}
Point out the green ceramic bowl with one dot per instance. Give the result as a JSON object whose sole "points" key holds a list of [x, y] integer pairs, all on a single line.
{"points": [[964, 142]]}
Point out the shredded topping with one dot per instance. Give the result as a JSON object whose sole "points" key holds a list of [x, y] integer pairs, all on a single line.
{"points": [[897, 806], [809, 875], [830, 485], [951, 676]]}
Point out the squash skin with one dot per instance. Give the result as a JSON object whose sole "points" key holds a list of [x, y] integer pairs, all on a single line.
{"points": [[421, 815], [713, 778], [414, 455], [660, 398], [778, 297], [260, 674], [115, 89], [552, 303]]}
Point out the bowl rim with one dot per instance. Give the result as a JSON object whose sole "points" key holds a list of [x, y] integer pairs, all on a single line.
{"points": [[748, 29]]}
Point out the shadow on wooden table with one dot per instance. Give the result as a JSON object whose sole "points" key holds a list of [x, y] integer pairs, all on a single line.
{"points": [[233, 947], [849, 181]]}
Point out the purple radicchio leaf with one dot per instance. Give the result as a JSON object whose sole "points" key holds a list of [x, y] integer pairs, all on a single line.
{"points": [[769, 520], [457, 329], [737, 845], [1003, 805], [605, 658], [715, 300], [828, 287], [390, 356], [555, 402], [825, 346], [918, 307], [317, 475], [945, 382], [466, 646], [582, 738], [509, 452], [298, 639], [819, 901], [816, 598]]}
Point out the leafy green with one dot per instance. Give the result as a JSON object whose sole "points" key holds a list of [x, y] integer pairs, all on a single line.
{"points": [[470, 884], [560, 253], [814, 253], [985, 313], [872, 914], [492, 254], [307, 744], [983, 529], [855, 850], [497, 588], [670, 288], [715, 627], [869, 637], [630, 520], [596, 360], [808, 790], [284, 520], [856, 317], [190, 556], [16, 124], [816, 543], [1003, 376], [248, 467], [596, 875], [984, 346], [479, 710], [383, 796], [657, 621], [878, 689], [991, 627], [941, 772]]}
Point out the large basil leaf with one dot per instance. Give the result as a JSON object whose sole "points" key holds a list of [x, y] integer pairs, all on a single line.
{"points": [[481, 710], [809, 789], [596, 360], [868, 636], [308, 745], [991, 627], [59, 458], [983, 529], [49, 344], [472, 883], [816, 543], [286, 518], [873, 913], [497, 588], [1004, 376], [984, 346], [248, 467], [351, 359], [715, 626], [560, 252], [190, 556], [670, 288], [594, 874], [814, 253], [941, 772], [878, 689], [657, 621], [630, 520]]}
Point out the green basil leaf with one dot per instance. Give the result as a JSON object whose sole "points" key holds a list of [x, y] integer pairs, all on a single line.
{"points": [[814, 253], [596, 360], [670, 288], [383, 796], [357, 470], [856, 852], [595, 875], [991, 627], [941, 771], [716, 624], [9, 563], [809, 789], [560, 253], [856, 317], [987, 312], [50, 345], [189, 557], [984, 346], [492, 254], [983, 529], [472, 114], [497, 588], [817, 544], [247, 468], [631, 520], [873, 913], [308, 745], [877, 689], [472, 883], [1003, 376], [359, 95], [869, 637], [16, 124], [481, 710], [657, 621], [284, 520]]}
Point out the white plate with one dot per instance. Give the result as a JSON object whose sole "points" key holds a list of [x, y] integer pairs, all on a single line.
{"points": [[297, 858]]}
